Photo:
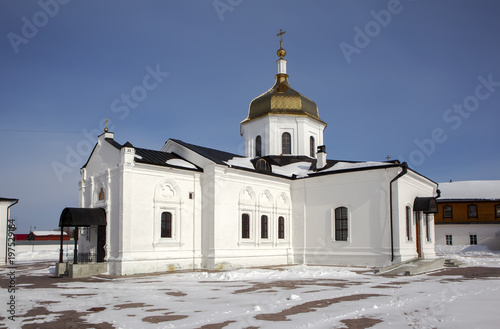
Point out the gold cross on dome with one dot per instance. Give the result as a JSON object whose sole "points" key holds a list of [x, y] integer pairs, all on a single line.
{"points": [[281, 37], [106, 126]]}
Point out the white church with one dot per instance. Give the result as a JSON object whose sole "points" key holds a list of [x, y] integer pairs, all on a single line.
{"points": [[192, 207]]}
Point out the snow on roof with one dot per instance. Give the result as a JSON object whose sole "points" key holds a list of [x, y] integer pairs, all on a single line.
{"points": [[48, 233], [302, 168], [487, 189], [180, 163], [240, 162], [354, 165]]}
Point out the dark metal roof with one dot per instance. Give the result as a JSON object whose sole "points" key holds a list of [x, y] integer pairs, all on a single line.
{"points": [[159, 158], [113, 142], [283, 160], [428, 205], [82, 217], [8, 199], [216, 156]]}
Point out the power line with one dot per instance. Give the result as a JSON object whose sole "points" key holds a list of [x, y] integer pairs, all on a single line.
{"points": [[39, 131]]}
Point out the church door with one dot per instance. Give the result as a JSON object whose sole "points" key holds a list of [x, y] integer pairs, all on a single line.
{"points": [[101, 242], [419, 246]]}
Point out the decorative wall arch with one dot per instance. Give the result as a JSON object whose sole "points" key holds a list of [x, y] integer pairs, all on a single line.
{"points": [[167, 191], [247, 196], [283, 201], [266, 199]]}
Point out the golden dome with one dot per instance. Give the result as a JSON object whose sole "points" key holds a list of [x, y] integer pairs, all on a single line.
{"points": [[281, 99]]}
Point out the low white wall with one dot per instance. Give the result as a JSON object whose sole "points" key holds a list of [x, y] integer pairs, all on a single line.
{"points": [[487, 234], [33, 250]]}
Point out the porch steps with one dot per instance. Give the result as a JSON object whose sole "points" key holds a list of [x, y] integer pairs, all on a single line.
{"points": [[452, 263], [412, 267]]}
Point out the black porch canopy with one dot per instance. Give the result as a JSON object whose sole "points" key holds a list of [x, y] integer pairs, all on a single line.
{"points": [[82, 217], [427, 205]]}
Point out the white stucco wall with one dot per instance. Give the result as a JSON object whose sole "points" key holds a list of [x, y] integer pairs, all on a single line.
{"points": [[230, 193], [405, 190], [365, 196], [270, 128]]}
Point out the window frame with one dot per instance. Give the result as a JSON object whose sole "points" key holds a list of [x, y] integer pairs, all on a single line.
{"points": [[469, 207], [312, 147], [450, 208], [497, 211], [245, 226], [164, 231], [427, 228], [286, 143], [281, 227], [264, 227], [448, 239], [341, 224], [473, 239], [409, 224], [262, 165], [258, 146]]}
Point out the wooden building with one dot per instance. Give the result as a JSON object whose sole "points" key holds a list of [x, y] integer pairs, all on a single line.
{"points": [[469, 214]]}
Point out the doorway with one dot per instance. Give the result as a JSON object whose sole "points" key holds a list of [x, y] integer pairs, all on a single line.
{"points": [[417, 223]]}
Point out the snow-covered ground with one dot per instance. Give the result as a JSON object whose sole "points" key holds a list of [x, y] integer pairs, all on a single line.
{"points": [[286, 297]]}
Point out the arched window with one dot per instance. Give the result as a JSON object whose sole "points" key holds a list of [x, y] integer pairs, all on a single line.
{"points": [[245, 226], [281, 227], [258, 146], [262, 165], [341, 224], [312, 147], [264, 231], [408, 223], [286, 143], [166, 225]]}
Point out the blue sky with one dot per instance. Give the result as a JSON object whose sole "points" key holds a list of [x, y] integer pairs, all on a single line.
{"points": [[417, 80]]}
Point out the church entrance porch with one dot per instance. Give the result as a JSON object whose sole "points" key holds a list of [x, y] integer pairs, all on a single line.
{"points": [[90, 260]]}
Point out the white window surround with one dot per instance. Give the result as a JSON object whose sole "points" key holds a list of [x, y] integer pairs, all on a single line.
{"points": [[167, 199], [332, 225], [270, 231], [252, 231], [282, 206]]}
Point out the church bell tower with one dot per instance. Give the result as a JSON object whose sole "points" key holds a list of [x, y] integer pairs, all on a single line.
{"points": [[281, 121]]}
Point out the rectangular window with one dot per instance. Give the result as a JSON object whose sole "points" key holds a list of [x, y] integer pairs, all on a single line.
{"points": [[472, 211], [447, 212], [281, 227], [473, 239], [264, 227], [341, 224], [166, 225], [408, 223], [427, 228], [245, 226], [497, 211], [449, 240]]}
